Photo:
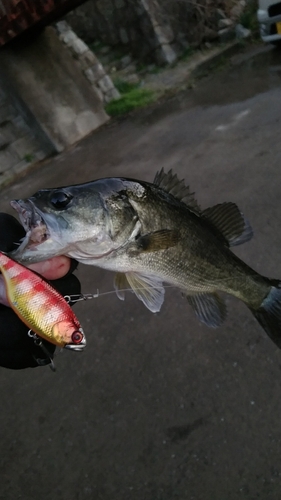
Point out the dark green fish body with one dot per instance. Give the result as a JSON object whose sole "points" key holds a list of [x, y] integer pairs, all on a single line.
{"points": [[150, 234]]}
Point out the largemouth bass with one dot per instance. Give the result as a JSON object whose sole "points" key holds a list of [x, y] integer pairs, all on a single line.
{"points": [[40, 306], [150, 234]]}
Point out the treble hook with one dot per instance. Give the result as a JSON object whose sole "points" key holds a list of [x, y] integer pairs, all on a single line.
{"points": [[38, 342]]}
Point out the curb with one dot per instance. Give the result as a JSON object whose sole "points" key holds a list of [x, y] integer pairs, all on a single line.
{"points": [[215, 59]]}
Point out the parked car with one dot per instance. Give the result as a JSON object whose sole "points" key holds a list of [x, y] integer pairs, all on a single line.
{"points": [[269, 18]]}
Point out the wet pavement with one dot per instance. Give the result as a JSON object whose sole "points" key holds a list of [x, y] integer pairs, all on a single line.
{"points": [[160, 407]]}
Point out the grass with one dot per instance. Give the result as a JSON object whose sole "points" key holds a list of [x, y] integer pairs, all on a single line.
{"points": [[156, 70], [133, 99], [141, 67], [249, 18], [187, 53], [123, 86], [151, 69], [97, 45], [28, 157]]}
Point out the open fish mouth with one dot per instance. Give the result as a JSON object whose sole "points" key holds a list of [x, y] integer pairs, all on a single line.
{"points": [[33, 222]]}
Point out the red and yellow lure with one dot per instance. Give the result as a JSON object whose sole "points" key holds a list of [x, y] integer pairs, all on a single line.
{"points": [[40, 306]]}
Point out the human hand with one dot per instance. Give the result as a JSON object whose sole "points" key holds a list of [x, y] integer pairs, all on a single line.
{"points": [[17, 349]]}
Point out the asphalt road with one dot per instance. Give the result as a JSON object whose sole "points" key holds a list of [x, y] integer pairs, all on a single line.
{"points": [[160, 407]]}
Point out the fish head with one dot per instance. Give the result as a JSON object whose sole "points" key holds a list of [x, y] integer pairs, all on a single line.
{"points": [[85, 221], [69, 334]]}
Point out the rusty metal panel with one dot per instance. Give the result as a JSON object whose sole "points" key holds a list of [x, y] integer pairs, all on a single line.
{"points": [[16, 16]]}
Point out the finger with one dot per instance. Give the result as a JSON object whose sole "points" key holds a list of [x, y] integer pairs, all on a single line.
{"points": [[52, 269]]}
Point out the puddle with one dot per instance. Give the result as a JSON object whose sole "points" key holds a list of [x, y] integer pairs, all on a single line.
{"points": [[246, 76]]}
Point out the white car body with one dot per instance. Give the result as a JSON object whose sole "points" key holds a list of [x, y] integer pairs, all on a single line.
{"points": [[269, 18]]}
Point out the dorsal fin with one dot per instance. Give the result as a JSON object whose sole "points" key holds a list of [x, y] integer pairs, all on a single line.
{"points": [[171, 183], [230, 222]]}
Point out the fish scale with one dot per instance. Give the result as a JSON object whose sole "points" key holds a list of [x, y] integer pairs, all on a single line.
{"points": [[40, 306], [150, 234]]}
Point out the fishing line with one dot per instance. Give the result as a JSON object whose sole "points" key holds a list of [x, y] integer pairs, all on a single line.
{"points": [[79, 297]]}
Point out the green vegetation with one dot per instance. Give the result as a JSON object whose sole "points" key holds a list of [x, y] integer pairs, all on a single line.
{"points": [[134, 98], [156, 70], [97, 45], [141, 67], [28, 157], [151, 69], [123, 86], [249, 18], [187, 53]]}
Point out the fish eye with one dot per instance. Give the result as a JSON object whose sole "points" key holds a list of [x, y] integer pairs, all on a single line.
{"points": [[77, 337], [60, 199]]}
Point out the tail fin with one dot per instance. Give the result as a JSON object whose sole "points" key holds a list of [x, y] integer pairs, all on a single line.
{"points": [[269, 313]]}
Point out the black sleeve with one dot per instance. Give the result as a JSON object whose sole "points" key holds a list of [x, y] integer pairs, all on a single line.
{"points": [[17, 349]]}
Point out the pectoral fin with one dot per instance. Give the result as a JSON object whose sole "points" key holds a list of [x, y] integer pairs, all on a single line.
{"points": [[152, 242], [148, 289], [120, 285], [208, 307]]}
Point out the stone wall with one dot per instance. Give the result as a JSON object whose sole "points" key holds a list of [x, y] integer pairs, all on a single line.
{"points": [[136, 24], [194, 21], [156, 30], [89, 65]]}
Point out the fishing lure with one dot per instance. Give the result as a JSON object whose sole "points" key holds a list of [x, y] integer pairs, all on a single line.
{"points": [[40, 306]]}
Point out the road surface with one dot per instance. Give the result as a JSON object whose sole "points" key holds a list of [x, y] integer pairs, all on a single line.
{"points": [[160, 407]]}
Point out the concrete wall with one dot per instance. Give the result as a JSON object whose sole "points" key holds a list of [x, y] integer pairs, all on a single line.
{"points": [[20, 145], [51, 86]]}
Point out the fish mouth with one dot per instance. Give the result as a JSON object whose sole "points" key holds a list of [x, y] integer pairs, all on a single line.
{"points": [[33, 223]]}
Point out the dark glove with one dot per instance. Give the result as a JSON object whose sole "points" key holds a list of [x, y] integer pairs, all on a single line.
{"points": [[17, 349]]}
